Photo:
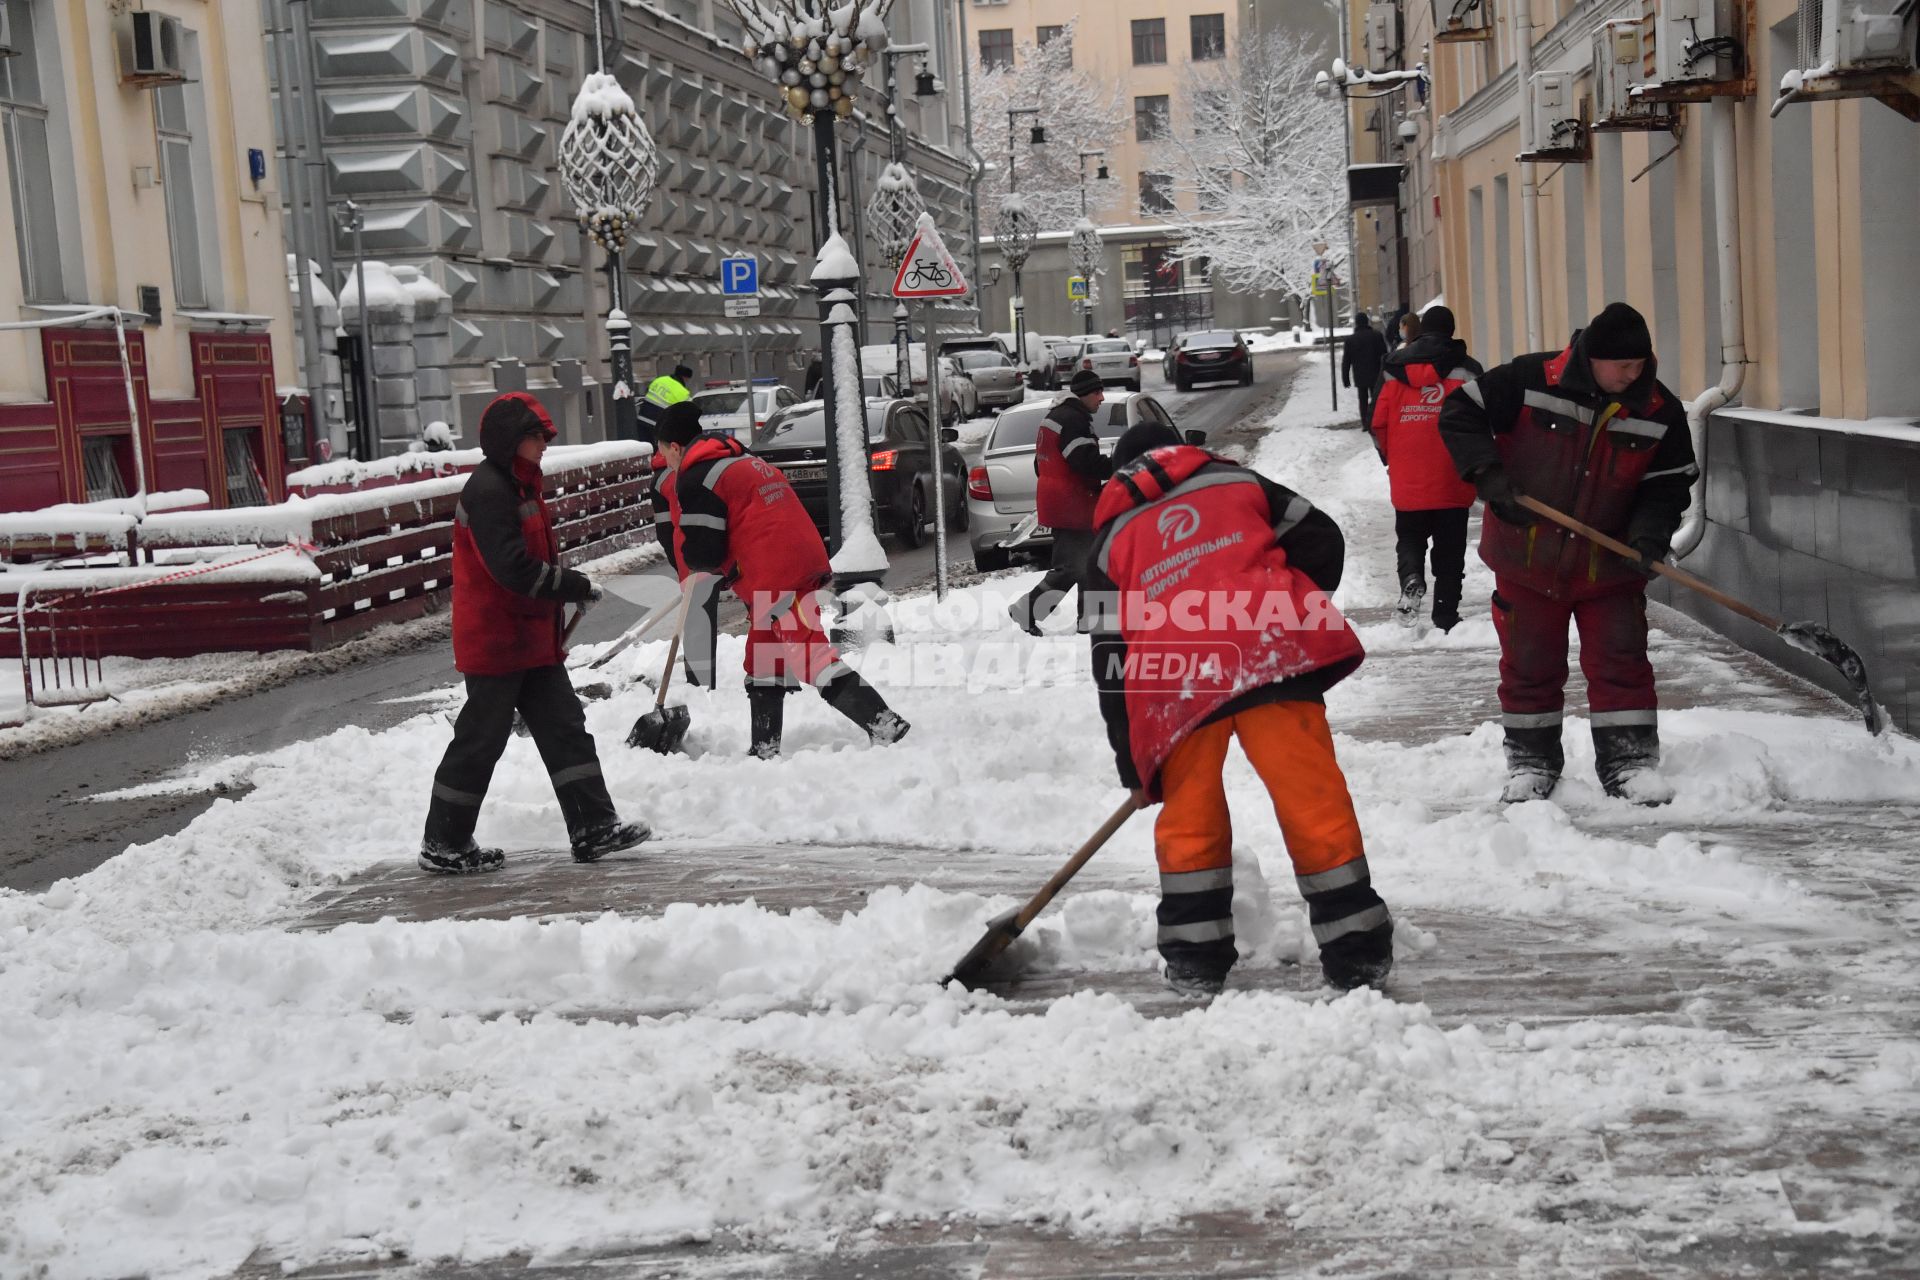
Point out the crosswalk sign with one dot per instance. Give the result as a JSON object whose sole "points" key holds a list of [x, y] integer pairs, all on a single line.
{"points": [[1076, 288]]}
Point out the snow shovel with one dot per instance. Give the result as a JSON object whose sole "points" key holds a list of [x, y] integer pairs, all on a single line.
{"points": [[664, 728], [1809, 637], [1003, 929], [634, 634], [1021, 532]]}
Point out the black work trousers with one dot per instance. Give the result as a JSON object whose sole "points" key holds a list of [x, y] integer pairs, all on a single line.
{"points": [[545, 699], [1446, 529], [1067, 571]]}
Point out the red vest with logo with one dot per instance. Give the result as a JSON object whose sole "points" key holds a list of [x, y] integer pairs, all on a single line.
{"points": [[1208, 605], [1582, 454], [772, 544], [1063, 498], [1406, 421]]}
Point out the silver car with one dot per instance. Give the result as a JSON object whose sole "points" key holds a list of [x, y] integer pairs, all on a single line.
{"points": [[996, 383], [1000, 485], [725, 408], [1113, 359]]}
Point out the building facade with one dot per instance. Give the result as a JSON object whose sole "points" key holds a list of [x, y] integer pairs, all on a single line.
{"points": [[441, 119], [135, 158], [1811, 491]]}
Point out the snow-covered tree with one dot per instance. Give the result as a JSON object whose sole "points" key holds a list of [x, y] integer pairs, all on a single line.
{"points": [[1078, 112], [1256, 164]]}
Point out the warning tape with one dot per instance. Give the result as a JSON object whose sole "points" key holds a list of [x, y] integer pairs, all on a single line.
{"points": [[180, 576]]}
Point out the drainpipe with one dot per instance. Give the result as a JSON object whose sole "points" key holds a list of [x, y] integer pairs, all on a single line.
{"points": [[1733, 332], [1529, 190]]}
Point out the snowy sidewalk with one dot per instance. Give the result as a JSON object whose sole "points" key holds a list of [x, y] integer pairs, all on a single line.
{"points": [[1618, 1042]]}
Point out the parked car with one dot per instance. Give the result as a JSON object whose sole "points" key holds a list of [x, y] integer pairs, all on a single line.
{"points": [[1042, 371], [1000, 488], [717, 404], [1066, 355], [996, 383], [1213, 355], [959, 397], [977, 342], [899, 464], [1114, 360], [879, 377]]}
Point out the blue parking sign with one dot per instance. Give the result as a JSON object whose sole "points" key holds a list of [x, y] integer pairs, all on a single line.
{"points": [[739, 275]]}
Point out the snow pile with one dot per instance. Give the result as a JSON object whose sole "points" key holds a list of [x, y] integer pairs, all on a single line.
{"points": [[322, 296], [601, 97], [384, 290], [834, 261]]}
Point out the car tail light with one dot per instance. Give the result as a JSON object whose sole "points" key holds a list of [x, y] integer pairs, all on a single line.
{"points": [[978, 485], [884, 460], [1133, 362], [1087, 363]]}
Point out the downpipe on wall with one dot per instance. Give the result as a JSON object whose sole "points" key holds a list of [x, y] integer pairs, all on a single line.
{"points": [[1733, 331], [1529, 186]]}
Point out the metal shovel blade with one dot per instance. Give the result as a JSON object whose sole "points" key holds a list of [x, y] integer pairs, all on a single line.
{"points": [[973, 967], [1811, 637], [662, 729]]}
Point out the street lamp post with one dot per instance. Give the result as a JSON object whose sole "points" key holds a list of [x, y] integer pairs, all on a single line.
{"points": [[896, 207], [1016, 228], [815, 52], [1358, 82], [608, 165], [365, 431], [1083, 249]]}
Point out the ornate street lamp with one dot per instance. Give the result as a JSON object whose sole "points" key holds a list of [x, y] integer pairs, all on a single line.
{"points": [[895, 209], [814, 53], [1014, 231], [609, 165], [1083, 247]]}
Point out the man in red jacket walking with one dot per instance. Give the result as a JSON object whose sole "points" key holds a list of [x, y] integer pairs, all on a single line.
{"points": [[737, 517], [1430, 500], [1210, 622], [1591, 432], [1070, 469], [508, 594]]}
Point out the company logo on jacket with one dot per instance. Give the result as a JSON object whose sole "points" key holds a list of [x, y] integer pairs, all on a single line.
{"points": [[1177, 523]]}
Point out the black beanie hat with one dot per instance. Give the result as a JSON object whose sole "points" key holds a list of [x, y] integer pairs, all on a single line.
{"points": [[1085, 383], [681, 373], [679, 424], [1143, 437], [1619, 333], [1438, 321]]}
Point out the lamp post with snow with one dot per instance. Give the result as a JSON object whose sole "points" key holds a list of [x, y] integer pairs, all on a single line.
{"points": [[1083, 248], [1358, 82], [1015, 230], [608, 165], [814, 52], [365, 431], [895, 209]]}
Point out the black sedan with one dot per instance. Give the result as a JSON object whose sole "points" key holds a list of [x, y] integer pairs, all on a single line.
{"points": [[899, 454], [1216, 355]]}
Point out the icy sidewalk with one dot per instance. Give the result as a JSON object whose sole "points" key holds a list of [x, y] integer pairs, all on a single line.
{"points": [[1618, 1042]]}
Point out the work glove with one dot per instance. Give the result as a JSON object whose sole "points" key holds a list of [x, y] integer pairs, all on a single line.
{"points": [[595, 594], [1497, 491], [1653, 550]]}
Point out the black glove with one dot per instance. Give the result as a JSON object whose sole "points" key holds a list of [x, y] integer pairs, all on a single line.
{"points": [[1653, 550], [576, 587], [595, 594], [1501, 497]]}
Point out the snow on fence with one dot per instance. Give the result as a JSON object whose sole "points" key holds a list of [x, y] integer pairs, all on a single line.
{"points": [[306, 574]]}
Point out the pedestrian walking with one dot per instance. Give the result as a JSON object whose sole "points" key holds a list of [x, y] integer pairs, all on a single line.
{"points": [[1245, 647], [737, 517], [508, 595], [699, 642], [1360, 360], [1070, 470], [1430, 500], [1591, 432], [1391, 330], [667, 389], [814, 373], [1408, 329]]}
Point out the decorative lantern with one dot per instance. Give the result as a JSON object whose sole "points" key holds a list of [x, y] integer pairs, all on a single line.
{"points": [[608, 162]]}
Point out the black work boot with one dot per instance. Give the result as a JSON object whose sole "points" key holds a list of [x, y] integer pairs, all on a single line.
{"points": [[766, 712], [597, 842], [447, 846], [1413, 590], [1534, 761], [1351, 924], [1627, 758], [861, 703]]}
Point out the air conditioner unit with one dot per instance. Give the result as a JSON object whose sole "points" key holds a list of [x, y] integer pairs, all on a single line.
{"points": [[1559, 132], [1695, 40], [1383, 33], [151, 46], [1856, 35], [1462, 20], [1619, 67]]}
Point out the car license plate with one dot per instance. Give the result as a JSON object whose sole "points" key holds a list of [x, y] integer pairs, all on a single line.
{"points": [[806, 473], [1042, 531]]}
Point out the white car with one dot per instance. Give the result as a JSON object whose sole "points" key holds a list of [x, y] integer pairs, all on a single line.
{"points": [[1113, 359], [725, 408]]}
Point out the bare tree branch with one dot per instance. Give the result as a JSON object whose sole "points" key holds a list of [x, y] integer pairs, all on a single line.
{"points": [[1078, 113]]}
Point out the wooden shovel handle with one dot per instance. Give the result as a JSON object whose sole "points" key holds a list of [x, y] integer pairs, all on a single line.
{"points": [[679, 628], [1680, 576], [1040, 900]]}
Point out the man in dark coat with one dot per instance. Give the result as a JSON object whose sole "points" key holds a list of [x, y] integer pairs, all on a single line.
{"points": [[1360, 361], [1070, 469], [509, 590], [1591, 432]]}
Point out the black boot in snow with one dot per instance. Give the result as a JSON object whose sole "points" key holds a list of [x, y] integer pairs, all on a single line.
{"points": [[861, 703], [448, 860], [1354, 930], [766, 713], [1534, 761], [596, 843], [1412, 592], [1627, 758], [1194, 982], [1361, 959]]}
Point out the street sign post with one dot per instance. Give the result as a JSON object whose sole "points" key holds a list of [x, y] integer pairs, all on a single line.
{"points": [[928, 271], [740, 282], [738, 308]]}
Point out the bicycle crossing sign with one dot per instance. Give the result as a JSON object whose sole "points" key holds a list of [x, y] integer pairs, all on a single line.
{"points": [[928, 270]]}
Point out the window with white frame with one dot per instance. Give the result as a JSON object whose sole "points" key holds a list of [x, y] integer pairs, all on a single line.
{"points": [[24, 124], [173, 130]]}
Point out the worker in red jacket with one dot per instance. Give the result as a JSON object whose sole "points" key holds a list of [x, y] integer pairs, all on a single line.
{"points": [[1069, 470], [509, 590], [1211, 621], [1430, 500], [1591, 432], [699, 643], [737, 517]]}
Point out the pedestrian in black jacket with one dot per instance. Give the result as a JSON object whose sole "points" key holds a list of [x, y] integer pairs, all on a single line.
{"points": [[1360, 361]]}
